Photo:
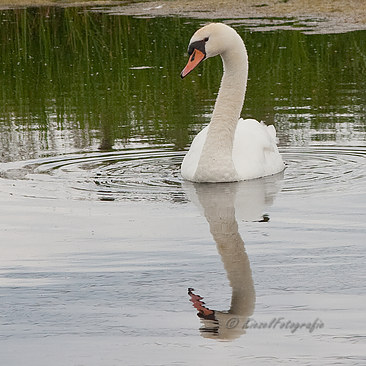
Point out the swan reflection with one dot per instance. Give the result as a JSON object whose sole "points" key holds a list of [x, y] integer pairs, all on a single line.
{"points": [[223, 205]]}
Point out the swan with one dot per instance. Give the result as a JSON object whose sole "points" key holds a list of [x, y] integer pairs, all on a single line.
{"points": [[229, 149]]}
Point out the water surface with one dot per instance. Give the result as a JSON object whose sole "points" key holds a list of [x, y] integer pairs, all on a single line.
{"points": [[101, 238]]}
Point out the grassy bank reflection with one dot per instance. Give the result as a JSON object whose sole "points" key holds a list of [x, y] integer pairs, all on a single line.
{"points": [[76, 80]]}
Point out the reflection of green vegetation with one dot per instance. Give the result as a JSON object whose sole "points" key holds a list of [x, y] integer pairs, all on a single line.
{"points": [[71, 70], [68, 74]]}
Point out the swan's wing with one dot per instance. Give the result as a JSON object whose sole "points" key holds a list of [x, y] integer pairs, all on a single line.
{"points": [[255, 153]]}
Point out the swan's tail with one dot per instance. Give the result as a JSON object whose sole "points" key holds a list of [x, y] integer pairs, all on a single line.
{"points": [[272, 132]]}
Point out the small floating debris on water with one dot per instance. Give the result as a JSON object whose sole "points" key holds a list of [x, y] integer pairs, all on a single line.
{"points": [[154, 7], [107, 198], [141, 67]]}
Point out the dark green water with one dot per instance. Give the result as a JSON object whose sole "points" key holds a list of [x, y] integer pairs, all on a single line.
{"points": [[75, 80], [100, 238]]}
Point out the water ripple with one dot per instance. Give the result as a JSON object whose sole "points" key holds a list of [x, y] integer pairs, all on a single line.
{"points": [[152, 173], [146, 173], [320, 169]]}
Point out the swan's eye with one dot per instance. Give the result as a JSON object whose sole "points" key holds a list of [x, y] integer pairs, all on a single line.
{"points": [[206, 39]]}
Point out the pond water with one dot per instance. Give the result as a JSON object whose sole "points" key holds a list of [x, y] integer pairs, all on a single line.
{"points": [[102, 241]]}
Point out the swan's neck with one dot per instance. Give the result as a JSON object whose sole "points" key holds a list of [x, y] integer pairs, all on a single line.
{"points": [[216, 162], [230, 99]]}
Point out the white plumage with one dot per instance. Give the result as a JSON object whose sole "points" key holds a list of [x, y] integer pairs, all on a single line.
{"points": [[229, 149]]}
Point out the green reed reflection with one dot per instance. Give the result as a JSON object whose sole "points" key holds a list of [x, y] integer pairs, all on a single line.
{"points": [[72, 79]]}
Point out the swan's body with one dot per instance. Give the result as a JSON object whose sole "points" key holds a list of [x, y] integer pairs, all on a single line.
{"points": [[229, 149]]}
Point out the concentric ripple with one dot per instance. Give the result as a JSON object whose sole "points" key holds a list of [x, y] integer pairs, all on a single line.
{"points": [[152, 173], [324, 169], [145, 173]]}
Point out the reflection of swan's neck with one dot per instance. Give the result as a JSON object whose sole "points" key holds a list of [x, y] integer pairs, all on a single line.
{"points": [[217, 150], [236, 262], [220, 214]]}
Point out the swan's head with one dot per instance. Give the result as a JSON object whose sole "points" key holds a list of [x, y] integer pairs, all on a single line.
{"points": [[209, 41]]}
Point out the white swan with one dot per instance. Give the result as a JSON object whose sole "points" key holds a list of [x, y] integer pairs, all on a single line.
{"points": [[229, 149]]}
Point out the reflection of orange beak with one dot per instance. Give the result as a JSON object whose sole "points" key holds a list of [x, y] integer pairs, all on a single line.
{"points": [[196, 57], [200, 305]]}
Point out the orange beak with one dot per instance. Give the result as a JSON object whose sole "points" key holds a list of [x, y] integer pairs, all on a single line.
{"points": [[196, 57]]}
